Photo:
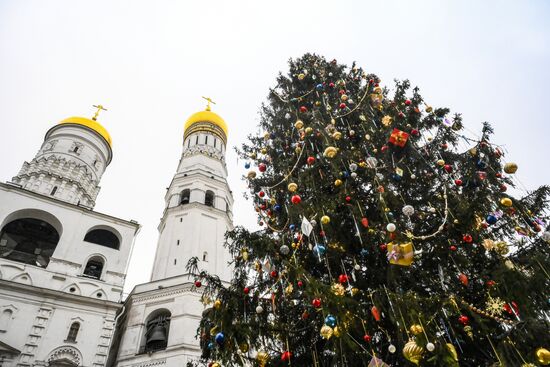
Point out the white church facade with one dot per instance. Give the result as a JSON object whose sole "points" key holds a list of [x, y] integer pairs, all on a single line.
{"points": [[63, 265]]}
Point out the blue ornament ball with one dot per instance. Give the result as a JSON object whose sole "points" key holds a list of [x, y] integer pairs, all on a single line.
{"points": [[292, 227], [210, 345], [320, 86], [491, 219], [319, 249], [330, 321], [364, 252], [220, 338], [277, 208], [247, 165]]}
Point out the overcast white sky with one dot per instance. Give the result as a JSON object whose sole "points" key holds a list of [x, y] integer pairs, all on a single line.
{"points": [[149, 62]]}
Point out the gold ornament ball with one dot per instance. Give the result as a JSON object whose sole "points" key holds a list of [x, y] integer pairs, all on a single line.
{"points": [[216, 364], [292, 187], [415, 329], [429, 109], [337, 331], [253, 155], [325, 219], [543, 356], [337, 135], [264, 150], [510, 168], [413, 352], [299, 124], [309, 130], [326, 332], [337, 182], [440, 162], [262, 358], [301, 76], [317, 103], [344, 97], [266, 136], [330, 152], [243, 347], [298, 150], [507, 202], [217, 304], [251, 174]]}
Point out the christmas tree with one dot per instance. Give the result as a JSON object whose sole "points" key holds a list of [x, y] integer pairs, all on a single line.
{"points": [[389, 238]]}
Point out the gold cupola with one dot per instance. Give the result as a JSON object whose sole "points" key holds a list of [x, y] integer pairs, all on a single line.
{"points": [[90, 124], [206, 121]]}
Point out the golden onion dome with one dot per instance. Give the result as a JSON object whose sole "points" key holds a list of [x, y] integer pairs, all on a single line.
{"points": [[90, 124], [206, 121]]}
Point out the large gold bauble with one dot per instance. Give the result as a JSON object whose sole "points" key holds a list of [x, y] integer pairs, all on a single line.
{"points": [[413, 352], [292, 187], [507, 202], [326, 332], [415, 329], [453, 352], [325, 219], [510, 168], [298, 124], [337, 331], [337, 182], [337, 135], [330, 152], [217, 304], [251, 174], [262, 357], [216, 364], [543, 356]]}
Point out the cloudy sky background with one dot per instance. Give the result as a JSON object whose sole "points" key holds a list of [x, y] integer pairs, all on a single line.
{"points": [[149, 62]]}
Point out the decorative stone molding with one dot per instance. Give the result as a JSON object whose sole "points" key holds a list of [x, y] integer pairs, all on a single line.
{"points": [[164, 293], [66, 353]]}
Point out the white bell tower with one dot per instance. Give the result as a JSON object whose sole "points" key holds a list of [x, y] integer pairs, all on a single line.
{"points": [[162, 317]]}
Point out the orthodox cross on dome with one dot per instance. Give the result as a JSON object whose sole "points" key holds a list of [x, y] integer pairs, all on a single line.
{"points": [[99, 108], [209, 100]]}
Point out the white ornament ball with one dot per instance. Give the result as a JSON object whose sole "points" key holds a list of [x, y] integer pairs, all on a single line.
{"points": [[313, 222], [353, 175], [432, 210], [413, 177], [259, 309], [546, 236], [391, 227], [284, 249], [392, 348], [357, 267], [353, 167], [408, 210], [288, 116], [430, 347]]}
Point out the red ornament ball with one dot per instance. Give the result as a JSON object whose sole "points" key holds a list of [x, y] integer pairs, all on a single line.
{"points": [[367, 338], [303, 109], [261, 194], [463, 319], [246, 290], [383, 247], [448, 168], [274, 274], [296, 199], [343, 279], [467, 238], [300, 284], [316, 302], [348, 199], [262, 167], [401, 115], [342, 106], [453, 248], [198, 284], [408, 102], [331, 85], [415, 132], [458, 182], [310, 160], [285, 357], [463, 279]]}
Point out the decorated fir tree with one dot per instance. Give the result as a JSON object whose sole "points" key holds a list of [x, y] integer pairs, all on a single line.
{"points": [[386, 241]]}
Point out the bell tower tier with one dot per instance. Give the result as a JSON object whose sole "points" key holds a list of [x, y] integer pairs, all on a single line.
{"points": [[162, 316], [70, 163]]}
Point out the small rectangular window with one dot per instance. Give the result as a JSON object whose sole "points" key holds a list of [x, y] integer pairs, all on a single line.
{"points": [[206, 140], [178, 243], [215, 142], [181, 219], [188, 143], [197, 140], [175, 261]]}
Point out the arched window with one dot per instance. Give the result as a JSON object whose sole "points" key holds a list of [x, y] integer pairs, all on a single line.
{"points": [[205, 256], [94, 267], [28, 240], [5, 319], [73, 332], [54, 190], [185, 195], [103, 237], [156, 332], [209, 198]]}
